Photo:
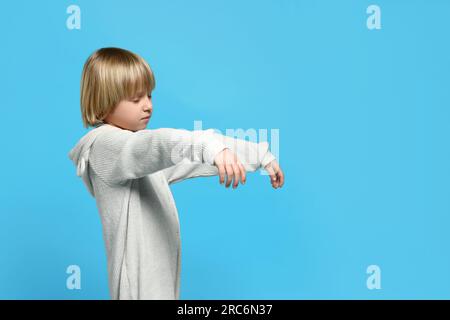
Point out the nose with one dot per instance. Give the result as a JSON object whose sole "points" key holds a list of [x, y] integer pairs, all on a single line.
{"points": [[148, 112], [148, 107]]}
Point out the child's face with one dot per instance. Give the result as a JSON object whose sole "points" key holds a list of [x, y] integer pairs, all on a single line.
{"points": [[132, 114]]}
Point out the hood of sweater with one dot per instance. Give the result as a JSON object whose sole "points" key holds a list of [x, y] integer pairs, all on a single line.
{"points": [[80, 154]]}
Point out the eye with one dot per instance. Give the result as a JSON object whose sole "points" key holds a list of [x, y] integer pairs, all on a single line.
{"points": [[149, 95]]}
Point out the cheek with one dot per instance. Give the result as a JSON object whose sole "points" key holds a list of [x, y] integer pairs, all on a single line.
{"points": [[126, 111]]}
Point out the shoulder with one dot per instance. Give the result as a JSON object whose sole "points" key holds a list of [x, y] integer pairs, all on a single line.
{"points": [[108, 141], [110, 136]]}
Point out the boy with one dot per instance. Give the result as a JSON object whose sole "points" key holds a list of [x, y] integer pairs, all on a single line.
{"points": [[128, 169]]}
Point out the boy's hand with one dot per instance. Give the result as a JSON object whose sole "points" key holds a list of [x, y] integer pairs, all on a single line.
{"points": [[275, 173], [228, 163]]}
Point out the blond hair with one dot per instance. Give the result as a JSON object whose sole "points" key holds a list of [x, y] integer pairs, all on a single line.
{"points": [[109, 76]]}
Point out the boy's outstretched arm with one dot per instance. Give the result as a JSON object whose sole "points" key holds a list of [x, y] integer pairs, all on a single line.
{"points": [[120, 155], [251, 155]]}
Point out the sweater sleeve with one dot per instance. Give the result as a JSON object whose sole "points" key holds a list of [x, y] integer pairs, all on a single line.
{"points": [[120, 155], [251, 154]]}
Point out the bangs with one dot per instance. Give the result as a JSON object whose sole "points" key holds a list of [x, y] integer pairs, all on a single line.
{"points": [[137, 81], [125, 77]]}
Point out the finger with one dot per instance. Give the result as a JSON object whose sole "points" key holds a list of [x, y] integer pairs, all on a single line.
{"points": [[276, 167], [243, 174], [271, 174], [221, 173], [281, 178], [273, 181], [277, 181], [237, 176], [230, 174]]}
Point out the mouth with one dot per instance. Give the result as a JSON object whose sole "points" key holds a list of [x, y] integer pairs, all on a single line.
{"points": [[146, 118]]}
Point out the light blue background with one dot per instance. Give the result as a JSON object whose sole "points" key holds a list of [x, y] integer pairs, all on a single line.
{"points": [[364, 129]]}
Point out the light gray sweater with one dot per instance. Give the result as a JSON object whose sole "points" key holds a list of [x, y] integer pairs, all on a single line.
{"points": [[129, 174]]}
